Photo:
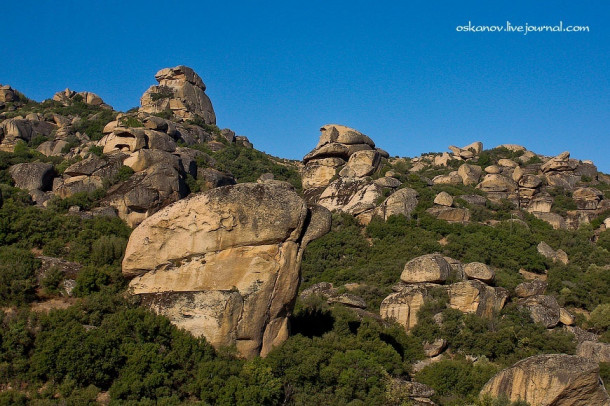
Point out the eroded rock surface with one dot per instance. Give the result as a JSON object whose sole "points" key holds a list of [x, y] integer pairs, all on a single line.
{"points": [[546, 380], [180, 91], [224, 264]]}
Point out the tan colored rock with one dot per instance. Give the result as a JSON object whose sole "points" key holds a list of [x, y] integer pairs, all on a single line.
{"points": [[595, 351], [388, 182], [554, 219], [565, 317], [224, 264], [470, 174], [480, 271], [315, 176], [403, 201], [587, 198], [435, 348], [52, 148], [403, 306], [560, 163], [431, 268], [540, 204], [181, 91], [493, 169], [526, 157], [361, 164], [341, 134], [497, 183], [450, 179], [507, 163], [476, 147], [450, 214], [7, 94], [550, 380], [529, 181], [444, 199], [518, 173], [442, 160], [474, 296]]}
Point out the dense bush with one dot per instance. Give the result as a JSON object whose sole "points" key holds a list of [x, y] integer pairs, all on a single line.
{"points": [[247, 164], [17, 276]]}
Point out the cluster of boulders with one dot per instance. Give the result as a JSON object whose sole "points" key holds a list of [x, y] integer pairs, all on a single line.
{"points": [[444, 209], [472, 293], [180, 91], [523, 183], [422, 275], [67, 97], [224, 264], [144, 142], [337, 175]]}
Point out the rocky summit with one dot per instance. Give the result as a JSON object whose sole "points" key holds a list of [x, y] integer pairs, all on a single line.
{"points": [[149, 256]]}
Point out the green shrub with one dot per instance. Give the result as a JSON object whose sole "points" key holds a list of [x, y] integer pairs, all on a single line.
{"points": [[52, 281], [17, 276]]}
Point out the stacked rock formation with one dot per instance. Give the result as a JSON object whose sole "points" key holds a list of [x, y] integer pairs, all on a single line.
{"points": [[336, 175], [423, 274], [180, 91], [224, 264]]}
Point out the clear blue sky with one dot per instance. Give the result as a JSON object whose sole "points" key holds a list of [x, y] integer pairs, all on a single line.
{"points": [[278, 70]]}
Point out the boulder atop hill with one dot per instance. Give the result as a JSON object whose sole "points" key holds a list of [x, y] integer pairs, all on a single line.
{"points": [[181, 91], [224, 264]]}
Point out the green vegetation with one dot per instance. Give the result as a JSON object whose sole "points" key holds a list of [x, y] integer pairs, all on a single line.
{"points": [[247, 164], [163, 92]]}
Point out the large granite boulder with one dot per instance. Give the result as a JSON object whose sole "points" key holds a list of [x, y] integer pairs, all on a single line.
{"points": [[550, 380], [473, 296], [224, 264], [403, 306], [180, 91], [431, 268], [595, 351]]}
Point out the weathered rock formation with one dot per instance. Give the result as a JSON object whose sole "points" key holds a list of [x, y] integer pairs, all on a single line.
{"points": [[336, 175], [550, 380], [67, 97], [180, 91], [423, 274], [224, 264]]}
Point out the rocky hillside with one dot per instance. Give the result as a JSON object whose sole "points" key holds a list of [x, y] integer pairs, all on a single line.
{"points": [[150, 257]]}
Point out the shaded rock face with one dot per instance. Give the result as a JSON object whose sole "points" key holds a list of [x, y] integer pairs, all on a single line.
{"points": [[546, 380], [543, 309], [33, 176], [224, 264], [180, 91]]}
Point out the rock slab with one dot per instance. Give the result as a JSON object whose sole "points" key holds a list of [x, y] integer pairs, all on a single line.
{"points": [[224, 264]]}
